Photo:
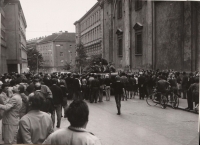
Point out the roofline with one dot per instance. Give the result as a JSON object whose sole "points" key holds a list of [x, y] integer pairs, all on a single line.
{"points": [[93, 7]]}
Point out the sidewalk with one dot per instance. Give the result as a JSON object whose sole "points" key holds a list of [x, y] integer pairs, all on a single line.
{"points": [[183, 104]]}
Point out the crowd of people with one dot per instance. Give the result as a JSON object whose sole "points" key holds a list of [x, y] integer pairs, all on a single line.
{"points": [[29, 102]]}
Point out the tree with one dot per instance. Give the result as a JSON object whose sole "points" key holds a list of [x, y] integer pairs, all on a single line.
{"points": [[67, 66], [81, 60], [33, 55]]}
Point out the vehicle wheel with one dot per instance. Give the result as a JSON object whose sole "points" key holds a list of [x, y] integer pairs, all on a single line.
{"points": [[163, 101], [151, 100], [173, 101]]}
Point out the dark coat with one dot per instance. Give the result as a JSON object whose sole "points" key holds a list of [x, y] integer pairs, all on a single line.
{"points": [[185, 82], [76, 85], [57, 94]]}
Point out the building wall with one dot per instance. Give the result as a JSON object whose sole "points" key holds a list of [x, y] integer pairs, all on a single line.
{"points": [[198, 38], [119, 24], [47, 52], [144, 17], [56, 54], [177, 35], [168, 31], [89, 31], [64, 53], [16, 37], [108, 30], [11, 15], [3, 49], [170, 35]]}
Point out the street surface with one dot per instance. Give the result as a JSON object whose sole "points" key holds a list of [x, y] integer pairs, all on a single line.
{"points": [[140, 124]]}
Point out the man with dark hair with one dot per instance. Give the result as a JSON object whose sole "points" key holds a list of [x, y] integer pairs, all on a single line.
{"points": [[69, 83], [77, 88], [124, 81], [35, 126], [189, 93], [95, 85], [118, 92], [76, 133], [57, 101]]}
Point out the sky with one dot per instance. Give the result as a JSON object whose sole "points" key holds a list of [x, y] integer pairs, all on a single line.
{"points": [[44, 17]]}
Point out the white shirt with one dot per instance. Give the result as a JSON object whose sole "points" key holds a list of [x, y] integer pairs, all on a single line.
{"points": [[72, 137]]}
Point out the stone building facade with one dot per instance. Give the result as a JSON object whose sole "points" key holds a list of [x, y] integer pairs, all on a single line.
{"points": [[89, 31], [3, 46], [15, 36], [151, 34], [57, 50]]}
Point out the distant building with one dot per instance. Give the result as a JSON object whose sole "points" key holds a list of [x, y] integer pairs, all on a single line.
{"points": [[57, 50], [3, 46], [32, 43], [16, 36], [89, 31]]}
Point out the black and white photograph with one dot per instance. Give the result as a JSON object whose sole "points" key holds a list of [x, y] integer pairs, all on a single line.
{"points": [[99, 72]]}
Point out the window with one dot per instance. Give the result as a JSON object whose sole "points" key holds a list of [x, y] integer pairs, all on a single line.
{"points": [[138, 44], [119, 9], [138, 5], [61, 54], [3, 34], [120, 47]]}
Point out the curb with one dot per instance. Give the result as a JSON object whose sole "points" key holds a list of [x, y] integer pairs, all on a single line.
{"points": [[183, 108]]}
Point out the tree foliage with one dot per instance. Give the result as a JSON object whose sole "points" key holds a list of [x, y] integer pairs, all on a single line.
{"points": [[33, 55], [81, 59], [68, 66]]}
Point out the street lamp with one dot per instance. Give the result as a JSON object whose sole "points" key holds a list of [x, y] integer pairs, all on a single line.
{"points": [[37, 61]]}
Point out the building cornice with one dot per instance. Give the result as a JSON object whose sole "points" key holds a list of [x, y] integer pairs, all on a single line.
{"points": [[95, 6]]}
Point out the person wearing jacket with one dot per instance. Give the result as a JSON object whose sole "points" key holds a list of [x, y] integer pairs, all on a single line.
{"points": [[10, 119], [95, 85], [36, 125], [76, 133], [57, 101], [184, 85]]}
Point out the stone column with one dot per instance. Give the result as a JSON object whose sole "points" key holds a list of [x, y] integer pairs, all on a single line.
{"points": [[126, 57], [102, 29], [0, 49]]}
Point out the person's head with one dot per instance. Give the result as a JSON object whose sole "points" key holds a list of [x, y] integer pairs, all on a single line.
{"points": [[62, 82], [35, 101], [117, 78], [78, 113], [12, 83], [4, 87], [54, 81], [37, 85], [15, 89], [184, 73], [21, 89]]}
